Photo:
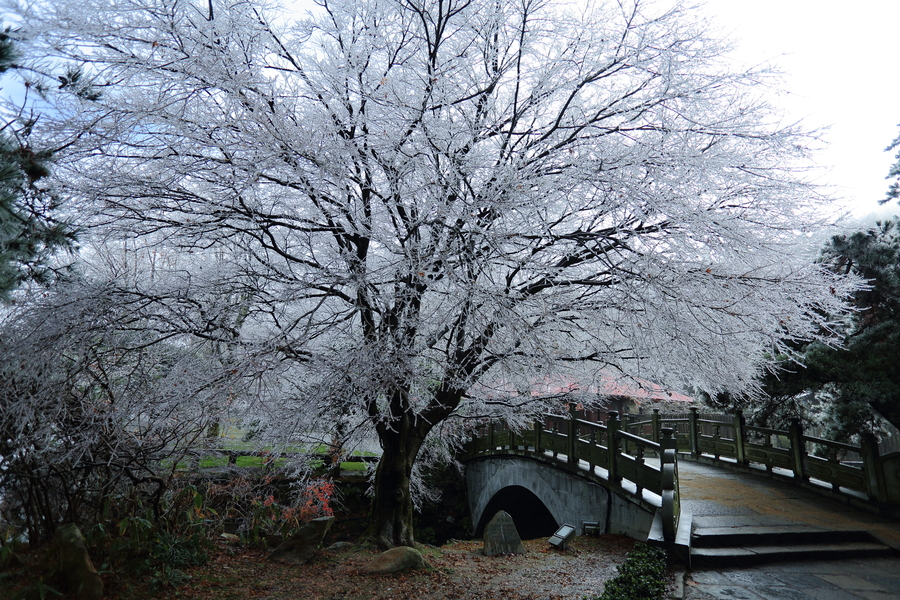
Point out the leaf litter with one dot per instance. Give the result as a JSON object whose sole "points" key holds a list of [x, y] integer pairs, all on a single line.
{"points": [[457, 571]]}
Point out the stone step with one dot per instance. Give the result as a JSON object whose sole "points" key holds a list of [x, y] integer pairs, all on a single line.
{"points": [[773, 535], [734, 540], [747, 555]]}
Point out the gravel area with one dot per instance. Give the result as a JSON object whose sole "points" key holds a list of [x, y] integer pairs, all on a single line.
{"points": [[458, 571]]}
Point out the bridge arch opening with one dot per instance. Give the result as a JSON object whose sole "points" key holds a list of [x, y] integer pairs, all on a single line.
{"points": [[531, 516]]}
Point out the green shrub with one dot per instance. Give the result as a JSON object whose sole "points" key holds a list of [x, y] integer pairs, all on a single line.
{"points": [[641, 576], [153, 546]]}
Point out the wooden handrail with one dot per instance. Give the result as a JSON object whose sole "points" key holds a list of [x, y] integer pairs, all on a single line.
{"points": [[605, 447], [602, 447], [872, 475], [638, 439], [765, 430]]}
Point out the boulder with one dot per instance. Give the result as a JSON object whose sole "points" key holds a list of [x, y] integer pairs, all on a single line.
{"points": [[338, 546], [396, 559], [300, 547], [69, 555], [501, 536]]}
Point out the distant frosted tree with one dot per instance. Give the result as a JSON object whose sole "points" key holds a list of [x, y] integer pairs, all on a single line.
{"points": [[421, 206]]}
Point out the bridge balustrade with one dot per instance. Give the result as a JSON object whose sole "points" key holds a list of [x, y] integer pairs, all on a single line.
{"points": [[854, 471], [605, 451]]}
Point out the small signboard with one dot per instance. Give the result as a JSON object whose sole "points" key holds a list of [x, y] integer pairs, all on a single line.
{"points": [[562, 536]]}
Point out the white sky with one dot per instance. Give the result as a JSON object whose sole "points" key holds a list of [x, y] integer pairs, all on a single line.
{"points": [[836, 58], [839, 60]]}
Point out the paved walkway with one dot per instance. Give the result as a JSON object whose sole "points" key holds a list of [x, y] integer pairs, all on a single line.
{"points": [[719, 492]]}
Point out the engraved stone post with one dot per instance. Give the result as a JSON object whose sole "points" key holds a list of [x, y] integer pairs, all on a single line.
{"points": [[501, 537]]}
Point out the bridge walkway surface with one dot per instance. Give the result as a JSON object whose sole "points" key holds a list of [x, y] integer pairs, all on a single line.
{"points": [[721, 500]]}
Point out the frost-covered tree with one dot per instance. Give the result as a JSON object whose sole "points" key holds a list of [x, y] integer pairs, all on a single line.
{"points": [[96, 407], [420, 207], [849, 384]]}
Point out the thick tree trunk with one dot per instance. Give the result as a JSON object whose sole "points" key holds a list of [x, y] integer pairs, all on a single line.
{"points": [[391, 520]]}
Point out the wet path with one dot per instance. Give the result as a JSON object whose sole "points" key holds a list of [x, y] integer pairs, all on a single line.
{"points": [[736, 498]]}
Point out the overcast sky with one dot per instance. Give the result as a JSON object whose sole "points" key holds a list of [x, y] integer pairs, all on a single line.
{"points": [[839, 60]]}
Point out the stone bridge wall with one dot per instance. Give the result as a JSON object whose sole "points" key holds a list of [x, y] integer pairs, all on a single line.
{"points": [[569, 498]]}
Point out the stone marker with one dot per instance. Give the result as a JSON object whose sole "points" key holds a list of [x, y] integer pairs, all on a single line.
{"points": [[300, 547], [69, 554], [396, 559], [501, 537]]}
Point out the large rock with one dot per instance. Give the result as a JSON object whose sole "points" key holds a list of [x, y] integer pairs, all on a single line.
{"points": [[70, 557], [501, 536], [396, 559], [300, 547]]}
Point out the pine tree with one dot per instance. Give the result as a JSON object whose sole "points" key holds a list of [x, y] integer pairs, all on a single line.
{"points": [[29, 231]]}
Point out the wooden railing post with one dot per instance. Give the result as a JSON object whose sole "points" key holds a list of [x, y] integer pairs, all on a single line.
{"points": [[654, 420], [538, 429], [739, 437], [570, 448], [491, 446], [555, 431], [694, 432], [612, 440], [877, 488], [798, 448], [671, 498]]}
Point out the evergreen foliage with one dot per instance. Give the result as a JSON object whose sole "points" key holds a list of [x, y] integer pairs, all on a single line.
{"points": [[641, 576], [29, 230]]}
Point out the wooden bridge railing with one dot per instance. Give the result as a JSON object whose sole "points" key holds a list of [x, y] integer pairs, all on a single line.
{"points": [[844, 467], [602, 451]]}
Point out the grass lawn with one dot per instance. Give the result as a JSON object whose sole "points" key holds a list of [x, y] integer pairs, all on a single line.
{"points": [[232, 440]]}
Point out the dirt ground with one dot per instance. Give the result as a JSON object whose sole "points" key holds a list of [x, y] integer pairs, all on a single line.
{"points": [[457, 571]]}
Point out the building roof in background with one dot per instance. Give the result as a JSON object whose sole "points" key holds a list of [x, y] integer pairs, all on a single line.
{"points": [[604, 386], [628, 387]]}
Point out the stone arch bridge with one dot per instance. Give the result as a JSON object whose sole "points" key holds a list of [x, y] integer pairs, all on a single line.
{"points": [[615, 478]]}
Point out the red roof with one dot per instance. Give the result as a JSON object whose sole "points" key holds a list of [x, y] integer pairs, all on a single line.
{"points": [[628, 387]]}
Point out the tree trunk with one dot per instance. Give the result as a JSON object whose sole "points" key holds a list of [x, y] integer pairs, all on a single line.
{"points": [[391, 519]]}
